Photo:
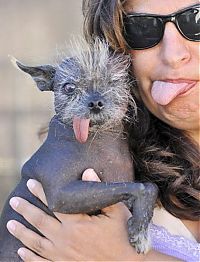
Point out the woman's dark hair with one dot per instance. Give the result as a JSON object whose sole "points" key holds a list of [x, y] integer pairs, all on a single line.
{"points": [[163, 155], [103, 18]]}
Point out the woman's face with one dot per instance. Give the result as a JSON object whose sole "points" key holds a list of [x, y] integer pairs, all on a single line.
{"points": [[171, 65]]}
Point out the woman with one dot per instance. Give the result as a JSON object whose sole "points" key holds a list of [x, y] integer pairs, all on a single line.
{"points": [[165, 63]]}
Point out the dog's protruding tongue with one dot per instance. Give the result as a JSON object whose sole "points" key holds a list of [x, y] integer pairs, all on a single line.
{"points": [[81, 128], [164, 92]]}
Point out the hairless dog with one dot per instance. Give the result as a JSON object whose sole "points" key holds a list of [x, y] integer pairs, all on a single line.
{"points": [[91, 96]]}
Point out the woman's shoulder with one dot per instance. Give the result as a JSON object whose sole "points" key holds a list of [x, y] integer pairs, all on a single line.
{"points": [[171, 237], [171, 223]]}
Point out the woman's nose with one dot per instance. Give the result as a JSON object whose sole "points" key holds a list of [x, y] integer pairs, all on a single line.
{"points": [[175, 50]]}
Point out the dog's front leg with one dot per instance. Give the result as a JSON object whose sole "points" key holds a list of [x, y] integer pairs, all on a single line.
{"points": [[142, 210], [87, 197]]}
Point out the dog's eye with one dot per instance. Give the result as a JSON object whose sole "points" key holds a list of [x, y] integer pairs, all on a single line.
{"points": [[69, 88]]}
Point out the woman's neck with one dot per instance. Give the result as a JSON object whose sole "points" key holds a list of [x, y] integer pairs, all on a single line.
{"points": [[195, 135]]}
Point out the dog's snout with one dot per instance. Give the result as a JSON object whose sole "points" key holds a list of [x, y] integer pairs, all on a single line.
{"points": [[96, 106]]}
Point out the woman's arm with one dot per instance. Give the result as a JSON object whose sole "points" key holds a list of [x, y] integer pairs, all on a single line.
{"points": [[76, 237]]}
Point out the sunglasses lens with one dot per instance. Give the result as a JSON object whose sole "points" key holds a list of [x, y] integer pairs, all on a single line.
{"points": [[142, 32], [189, 24]]}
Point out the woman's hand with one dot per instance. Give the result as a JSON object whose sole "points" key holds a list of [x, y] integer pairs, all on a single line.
{"points": [[77, 237]]}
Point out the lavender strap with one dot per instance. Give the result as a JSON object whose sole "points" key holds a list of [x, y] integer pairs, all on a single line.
{"points": [[174, 245]]}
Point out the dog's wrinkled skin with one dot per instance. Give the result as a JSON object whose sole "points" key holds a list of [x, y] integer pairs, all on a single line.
{"points": [[91, 98]]}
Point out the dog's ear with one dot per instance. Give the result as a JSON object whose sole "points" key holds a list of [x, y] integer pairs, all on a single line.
{"points": [[43, 75]]}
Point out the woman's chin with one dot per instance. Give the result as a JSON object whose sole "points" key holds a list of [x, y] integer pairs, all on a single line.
{"points": [[183, 111]]}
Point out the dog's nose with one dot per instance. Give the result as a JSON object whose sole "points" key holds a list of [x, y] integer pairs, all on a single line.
{"points": [[96, 106]]}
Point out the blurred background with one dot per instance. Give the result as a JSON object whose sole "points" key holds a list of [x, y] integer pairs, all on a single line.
{"points": [[33, 31]]}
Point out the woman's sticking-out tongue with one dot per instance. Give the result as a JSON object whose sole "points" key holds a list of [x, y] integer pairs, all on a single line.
{"points": [[164, 92]]}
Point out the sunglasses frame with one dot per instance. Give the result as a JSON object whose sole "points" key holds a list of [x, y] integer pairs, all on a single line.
{"points": [[163, 19]]}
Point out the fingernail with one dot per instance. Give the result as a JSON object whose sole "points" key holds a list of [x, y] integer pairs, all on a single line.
{"points": [[11, 226], [21, 253], [91, 171], [31, 184], [94, 175], [14, 202], [90, 175]]}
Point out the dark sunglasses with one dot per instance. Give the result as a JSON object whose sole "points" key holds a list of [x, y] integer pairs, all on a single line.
{"points": [[143, 31]]}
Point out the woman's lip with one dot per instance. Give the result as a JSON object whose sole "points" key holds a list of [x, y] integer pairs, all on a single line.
{"points": [[176, 81], [188, 89]]}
